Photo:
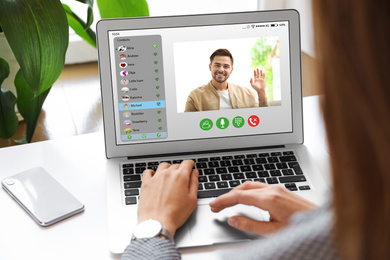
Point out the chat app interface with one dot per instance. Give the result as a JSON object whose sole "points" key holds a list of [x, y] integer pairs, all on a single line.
{"points": [[140, 91], [156, 70]]}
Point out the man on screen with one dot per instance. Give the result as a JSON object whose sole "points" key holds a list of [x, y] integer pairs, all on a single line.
{"points": [[219, 94]]}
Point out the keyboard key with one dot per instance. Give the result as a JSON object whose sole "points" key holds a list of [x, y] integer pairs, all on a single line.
{"points": [[297, 170], [292, 179], [213, 164], [263, 174], [132, 177], [140, 169], [134, 184], [234, 183], [306, 187], [237, 162], [128, 171], [273, 159], [225, 163], [177, 161], [276, 154], [128, 165], [257, 167], [233, 169], [272, 180], [270, 166], [291, 186], [287, 172], [251, 155], [212, 193], [200, 186], [222, 184], [221, 170], [238, 176], [132, 192], [214, 178], [260, 180], [275, 173], [200, 172], [249, 161], [209, 185], [251, 175], [288, 153], [131, 200], [261, 160], [226, 177], [203, 179], [215, 158], [239, 156], [263, 154], [208, 171], [140, 165], [200, 165], [293, 164], [153, 163], [203, 159], [290, 158], [281, 166], [246, 168], [225, 158]]}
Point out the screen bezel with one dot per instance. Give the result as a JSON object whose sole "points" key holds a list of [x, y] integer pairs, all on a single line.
{"points": [[208, 144]]}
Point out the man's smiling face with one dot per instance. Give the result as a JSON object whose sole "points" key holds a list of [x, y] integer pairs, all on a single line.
{"points": [[221, 67]]}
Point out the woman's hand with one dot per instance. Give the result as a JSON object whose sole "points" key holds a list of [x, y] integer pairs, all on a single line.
{"points": [[169, 195], [278, 201]]}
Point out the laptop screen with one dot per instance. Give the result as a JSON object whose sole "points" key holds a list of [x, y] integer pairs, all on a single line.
{"points": [[162, 82]]}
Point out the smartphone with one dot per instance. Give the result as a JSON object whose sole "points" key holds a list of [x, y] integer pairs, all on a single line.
{"points": [[41, 196]]}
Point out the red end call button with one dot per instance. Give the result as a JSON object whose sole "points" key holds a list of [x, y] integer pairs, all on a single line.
{"points": [[253, 120]]}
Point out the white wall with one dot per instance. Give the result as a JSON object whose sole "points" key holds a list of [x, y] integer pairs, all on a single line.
{"points": [[304, 9]]}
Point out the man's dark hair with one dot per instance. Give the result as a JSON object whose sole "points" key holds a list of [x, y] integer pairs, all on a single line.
{"points": [[221, 52]]}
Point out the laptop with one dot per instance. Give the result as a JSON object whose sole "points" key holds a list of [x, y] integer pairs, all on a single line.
{"points": [[148, 69]]}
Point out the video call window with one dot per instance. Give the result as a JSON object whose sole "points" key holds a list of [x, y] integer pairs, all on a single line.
{"points": [[192, 60]]}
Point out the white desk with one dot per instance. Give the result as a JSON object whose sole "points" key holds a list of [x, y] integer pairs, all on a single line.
{"points": [[77, 163]]}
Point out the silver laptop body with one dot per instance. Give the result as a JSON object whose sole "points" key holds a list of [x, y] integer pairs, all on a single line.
{"points": [[148, 66]]}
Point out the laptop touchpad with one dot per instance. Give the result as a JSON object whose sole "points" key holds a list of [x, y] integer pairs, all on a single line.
{"points": [[206, 225]]}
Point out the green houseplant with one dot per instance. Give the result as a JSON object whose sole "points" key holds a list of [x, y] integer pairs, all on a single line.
{"points": [[37, 32]]}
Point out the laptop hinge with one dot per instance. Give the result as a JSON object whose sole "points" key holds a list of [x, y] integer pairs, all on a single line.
{"points": [[204, 152]]}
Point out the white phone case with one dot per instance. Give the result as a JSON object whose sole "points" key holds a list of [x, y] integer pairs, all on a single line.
{"points": [[44, 198]]}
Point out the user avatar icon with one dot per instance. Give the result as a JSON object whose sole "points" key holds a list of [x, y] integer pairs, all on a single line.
{"points": [[127, 122], [125, 98], [122, 56], [128, 131], [124, 81], [126, 106], [122, 48], [123, 73], [123, 64], [126, 114], [125, 90]]}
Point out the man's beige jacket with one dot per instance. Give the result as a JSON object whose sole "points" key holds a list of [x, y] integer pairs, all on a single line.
{"points": [[206, 98]]}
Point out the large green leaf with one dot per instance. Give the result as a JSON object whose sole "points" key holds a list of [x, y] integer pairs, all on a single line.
{"points": [[122, 8], [80, 27], [8, 118], [29, 104], [37, 31]]}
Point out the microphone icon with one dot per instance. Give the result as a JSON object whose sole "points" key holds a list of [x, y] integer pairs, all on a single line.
{"points": [[222, 123]]}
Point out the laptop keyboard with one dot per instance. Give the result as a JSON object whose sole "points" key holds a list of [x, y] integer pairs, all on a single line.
{"points": [[220, 174]]}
